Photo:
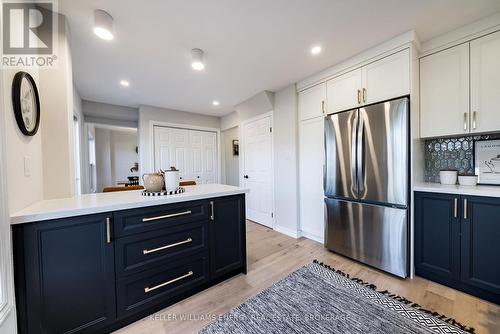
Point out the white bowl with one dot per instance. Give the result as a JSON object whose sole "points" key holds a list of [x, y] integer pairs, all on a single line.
{"points": [[467, 180], [448, 177]]}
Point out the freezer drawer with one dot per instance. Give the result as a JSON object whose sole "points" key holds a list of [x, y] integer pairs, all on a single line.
{"points": [[375, 235]]}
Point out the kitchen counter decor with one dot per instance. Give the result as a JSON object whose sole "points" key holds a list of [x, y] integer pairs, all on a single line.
{"points": [[179, 190]]}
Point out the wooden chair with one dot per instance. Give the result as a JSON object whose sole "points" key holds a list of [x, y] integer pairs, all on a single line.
{"points": [[113, 189], [187, 183]]}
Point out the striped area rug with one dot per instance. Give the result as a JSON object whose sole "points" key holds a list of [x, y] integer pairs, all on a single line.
{"points": [[319, 299]]}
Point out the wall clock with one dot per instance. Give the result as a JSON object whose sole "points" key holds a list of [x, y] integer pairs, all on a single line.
{"points": [[26, 103]]}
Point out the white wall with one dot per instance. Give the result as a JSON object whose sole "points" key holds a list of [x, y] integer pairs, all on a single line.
{"points": [[123, 154], [230, 162], [148, 114], [103, 158], [110, 114]]}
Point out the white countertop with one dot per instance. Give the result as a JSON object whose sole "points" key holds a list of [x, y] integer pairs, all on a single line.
{"points": [[113, 201], [489, 191]]}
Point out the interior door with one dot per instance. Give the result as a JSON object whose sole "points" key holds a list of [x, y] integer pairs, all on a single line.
{"points": [[382, 152], [172, 149], [484, 79], [203, 156], [258, 170]]}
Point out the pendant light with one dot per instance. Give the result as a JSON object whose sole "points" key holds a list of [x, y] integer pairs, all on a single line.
{"points": [[103, 25], [197, 61]]}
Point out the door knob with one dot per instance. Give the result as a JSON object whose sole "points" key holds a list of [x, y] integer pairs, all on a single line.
{"points": [[198, 176], [246, 176]]}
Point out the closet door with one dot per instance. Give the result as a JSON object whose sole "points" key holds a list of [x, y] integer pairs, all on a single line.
{"points": [[203, 156], [179, 152]]}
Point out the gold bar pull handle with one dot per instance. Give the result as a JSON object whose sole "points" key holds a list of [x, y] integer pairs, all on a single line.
{"points": [[465, 121], [108, 230], [364, 94], [359, 96], [455, 209], [146, 289], [323, 107], [465, 208], [212, 214], [188, 212], [474, 120], [148, 251]]}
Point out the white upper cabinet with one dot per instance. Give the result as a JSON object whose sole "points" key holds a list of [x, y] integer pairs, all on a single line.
{"points": [[312, 102], [485, 83], [386, 78], [444, 92], [344, 91]]}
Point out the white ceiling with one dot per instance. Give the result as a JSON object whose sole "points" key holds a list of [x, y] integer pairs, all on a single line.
{"points": [[250, 45]]}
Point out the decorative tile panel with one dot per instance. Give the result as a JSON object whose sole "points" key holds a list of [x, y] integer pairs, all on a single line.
{"points": [[451, 153]]}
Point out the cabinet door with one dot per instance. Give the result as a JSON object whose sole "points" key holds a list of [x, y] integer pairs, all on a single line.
{"points": [[344, 91], [312, 155], [485, 76], [437, 236], [386, 78], [227, 235], [312, 102], [444, 92], [481, 243], [67, 276]]}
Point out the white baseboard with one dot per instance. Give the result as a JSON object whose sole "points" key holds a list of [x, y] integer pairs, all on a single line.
{"points": [[288, 231], [318, 238]]}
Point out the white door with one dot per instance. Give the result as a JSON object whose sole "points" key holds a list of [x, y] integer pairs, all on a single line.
{"points": [[386, 78], [312, 153], [203, 156], [258, 170], [312, 102], [344, 91], [444, 92], [485, 80]]}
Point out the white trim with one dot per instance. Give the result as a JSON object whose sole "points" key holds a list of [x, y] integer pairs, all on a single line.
{"points": [[287, 231], [242, 160], [153, 123], [320, 239]]}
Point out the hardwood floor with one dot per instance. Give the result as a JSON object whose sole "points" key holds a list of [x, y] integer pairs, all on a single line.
{"points": [[272, 256]]}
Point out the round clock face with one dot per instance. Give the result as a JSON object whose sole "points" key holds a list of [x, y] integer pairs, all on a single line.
{"points": [[28, 105]]}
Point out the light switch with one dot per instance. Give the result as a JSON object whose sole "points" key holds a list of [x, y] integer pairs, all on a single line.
{"points": [[27, 166]]}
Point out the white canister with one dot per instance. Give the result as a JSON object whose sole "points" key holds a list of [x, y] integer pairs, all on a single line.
{"points": [[448, 177], [171, 180]]}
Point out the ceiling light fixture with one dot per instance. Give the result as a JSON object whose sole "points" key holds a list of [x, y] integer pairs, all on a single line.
{"points": [[197, 61], [103, 25], [124, 83], [215, 103], [316, 50]]}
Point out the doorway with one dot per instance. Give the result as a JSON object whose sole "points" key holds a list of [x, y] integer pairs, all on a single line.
{"points": [[257, 168], [231, 156]]}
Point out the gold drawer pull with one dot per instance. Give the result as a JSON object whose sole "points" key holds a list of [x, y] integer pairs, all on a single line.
{"points": [[188, 212], [147, 251], [146, 290]]}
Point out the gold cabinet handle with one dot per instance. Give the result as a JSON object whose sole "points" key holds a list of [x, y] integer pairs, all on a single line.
{"points": [[148, 251], [455, 209], [108, 230], [474, 120], [359, 96], [465, 208], [364, 94], [146, 290], [465, 121], [323, 107], [188, 212], [212, 215]]}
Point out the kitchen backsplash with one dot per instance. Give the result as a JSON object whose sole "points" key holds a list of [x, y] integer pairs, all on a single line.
{"points": [[451, 153]]}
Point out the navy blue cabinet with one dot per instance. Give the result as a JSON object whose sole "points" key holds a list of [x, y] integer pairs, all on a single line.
{"points": [[65, 279], [97, 273], [457, 242]]}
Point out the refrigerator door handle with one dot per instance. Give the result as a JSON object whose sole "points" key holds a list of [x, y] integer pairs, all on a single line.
{"points": [[360, 156], [354, 131]]}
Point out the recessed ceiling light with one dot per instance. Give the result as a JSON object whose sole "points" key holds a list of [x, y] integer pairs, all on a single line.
{"points": [[124, 83], [197, 61], [103, 25], [316, 50], [215, 103]]}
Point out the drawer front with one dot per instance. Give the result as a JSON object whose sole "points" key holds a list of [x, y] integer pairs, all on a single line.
{"points": [[139, 292], [128, 222], [149, 250]]}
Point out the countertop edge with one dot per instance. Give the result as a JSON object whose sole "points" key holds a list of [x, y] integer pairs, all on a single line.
{"points": [[479, 190], [20, 218]]}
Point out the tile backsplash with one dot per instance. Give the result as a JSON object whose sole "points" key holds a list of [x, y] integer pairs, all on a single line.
{"points": [[451, 153]]}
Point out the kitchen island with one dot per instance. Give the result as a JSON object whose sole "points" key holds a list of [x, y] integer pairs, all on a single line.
{"points": [[95, 263]]}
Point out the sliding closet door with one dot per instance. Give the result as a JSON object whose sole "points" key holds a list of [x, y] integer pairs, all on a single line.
{"points": [[192, 152]]}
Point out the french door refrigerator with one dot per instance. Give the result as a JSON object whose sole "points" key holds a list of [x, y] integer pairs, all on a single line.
{"points": [[366, 185]]}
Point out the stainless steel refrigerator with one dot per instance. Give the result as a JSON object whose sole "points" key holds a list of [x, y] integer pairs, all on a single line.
{"points": [[366, 185]]}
